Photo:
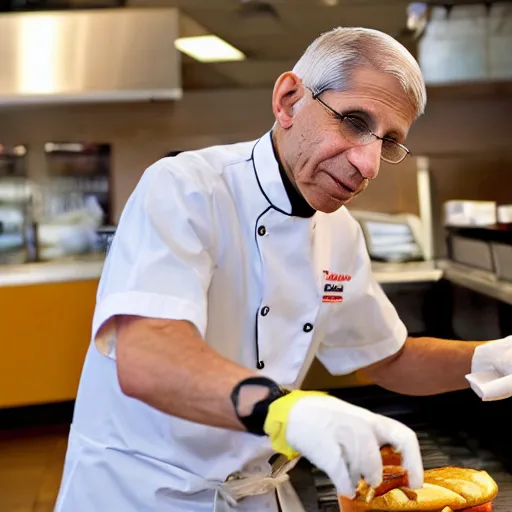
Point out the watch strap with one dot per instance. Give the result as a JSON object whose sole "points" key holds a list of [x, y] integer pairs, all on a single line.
{"points": [[256, 420]]}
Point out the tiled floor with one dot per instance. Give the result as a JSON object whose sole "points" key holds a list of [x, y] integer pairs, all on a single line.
{"points": [[31, 464]]}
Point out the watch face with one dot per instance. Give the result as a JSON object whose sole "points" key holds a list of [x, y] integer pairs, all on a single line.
{"points": [[274, 392]]}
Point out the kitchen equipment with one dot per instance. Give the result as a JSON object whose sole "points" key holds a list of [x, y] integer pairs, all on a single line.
{"points": [[487, 248], [471, 251], [453, 429], [64, 55], [76, 171], [470, 213], [18, 242], [105, 237], [504, 214], [502, 257], [392, 237]]}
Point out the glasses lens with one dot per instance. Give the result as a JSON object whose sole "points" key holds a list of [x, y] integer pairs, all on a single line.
{"points": [[356, 131], [392, 152]]}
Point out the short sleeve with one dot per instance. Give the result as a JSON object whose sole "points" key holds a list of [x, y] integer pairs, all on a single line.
{"points": [[159, 264], [366, 328]]}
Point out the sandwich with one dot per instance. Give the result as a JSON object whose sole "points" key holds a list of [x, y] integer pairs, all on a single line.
{"points": [[446, 489]]}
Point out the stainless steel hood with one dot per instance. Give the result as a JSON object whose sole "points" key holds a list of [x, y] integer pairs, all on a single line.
{"points": [[89, 56]]}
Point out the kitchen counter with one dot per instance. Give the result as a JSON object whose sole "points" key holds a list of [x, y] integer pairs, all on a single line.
{"points": [[47, 310], [51, 304], [90, 267], [479, 281], [412, 272], [83, 269]]}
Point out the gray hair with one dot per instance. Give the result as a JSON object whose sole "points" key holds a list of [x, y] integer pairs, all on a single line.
{"points": [[328, 62]]}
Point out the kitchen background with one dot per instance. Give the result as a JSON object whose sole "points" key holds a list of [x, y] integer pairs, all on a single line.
{"points": [[466, 133], [94, 91]]}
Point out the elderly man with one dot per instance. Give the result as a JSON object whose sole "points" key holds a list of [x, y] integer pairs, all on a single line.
{"points": [[231, 269]]}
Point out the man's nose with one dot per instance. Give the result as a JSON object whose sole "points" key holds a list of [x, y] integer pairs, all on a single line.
{"points": [[366, 159]]}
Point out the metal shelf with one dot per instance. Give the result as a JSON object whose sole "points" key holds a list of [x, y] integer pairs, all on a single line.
{"points": [[479, 281], [410, 272]]}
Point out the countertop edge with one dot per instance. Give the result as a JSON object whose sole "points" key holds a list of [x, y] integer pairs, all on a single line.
{"points": [[60, 272], [51, 272]]}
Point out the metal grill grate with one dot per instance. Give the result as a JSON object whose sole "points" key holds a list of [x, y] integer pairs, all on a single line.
{"points": [[439, 449]]}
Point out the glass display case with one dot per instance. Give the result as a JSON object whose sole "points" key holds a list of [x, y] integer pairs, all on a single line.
{"points": [[76, 171], [74, 199], [16, 240]]}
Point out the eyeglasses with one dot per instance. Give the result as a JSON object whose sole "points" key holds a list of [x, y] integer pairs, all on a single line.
{"points": [[357, 132]]}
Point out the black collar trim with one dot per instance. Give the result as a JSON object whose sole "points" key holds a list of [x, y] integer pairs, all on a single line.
{"points": [[299, 206]]}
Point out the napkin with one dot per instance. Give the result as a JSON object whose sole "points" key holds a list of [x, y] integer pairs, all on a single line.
{"points": [[490, 385], [491, 370]]}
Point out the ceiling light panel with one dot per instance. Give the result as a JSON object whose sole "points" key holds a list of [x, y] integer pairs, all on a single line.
{"points": [[208, 48]]}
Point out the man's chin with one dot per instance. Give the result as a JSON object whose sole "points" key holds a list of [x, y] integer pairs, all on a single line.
{"points": [[326, 203], [333, 203], [329, 205]]}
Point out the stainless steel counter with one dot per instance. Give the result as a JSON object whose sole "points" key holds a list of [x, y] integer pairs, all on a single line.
{"points": [[413, 272], [479, 281]]}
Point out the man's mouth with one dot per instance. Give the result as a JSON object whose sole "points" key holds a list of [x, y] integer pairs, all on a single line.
{"points": [[350, 188], [344, 187]]}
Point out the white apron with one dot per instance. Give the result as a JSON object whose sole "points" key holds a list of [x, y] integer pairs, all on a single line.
{"points": [[238, 490]]}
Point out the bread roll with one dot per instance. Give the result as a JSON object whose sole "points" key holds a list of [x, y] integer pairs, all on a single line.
{"points": [[448, 488]]}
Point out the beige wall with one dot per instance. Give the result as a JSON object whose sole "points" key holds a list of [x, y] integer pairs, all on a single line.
{"points": [[456, 127], [139, 133]]}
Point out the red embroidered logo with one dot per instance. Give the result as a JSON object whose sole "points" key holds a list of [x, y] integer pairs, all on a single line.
{"points": [[333, 289], [332, 298], [331, 276]]}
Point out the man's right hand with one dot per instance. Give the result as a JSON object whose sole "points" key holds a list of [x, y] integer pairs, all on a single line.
{"points": [[341, 439]]}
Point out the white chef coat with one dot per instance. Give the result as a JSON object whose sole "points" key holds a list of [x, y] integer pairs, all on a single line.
{"points": [[208, 237]]}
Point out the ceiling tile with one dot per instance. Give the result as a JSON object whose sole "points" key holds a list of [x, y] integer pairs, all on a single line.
{"points": [[196, 75], [389, 18], [254, 73], [274, 40], [282, 47], [231, 22]]}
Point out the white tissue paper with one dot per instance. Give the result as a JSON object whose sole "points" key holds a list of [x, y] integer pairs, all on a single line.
{"points": [[491, 370]]}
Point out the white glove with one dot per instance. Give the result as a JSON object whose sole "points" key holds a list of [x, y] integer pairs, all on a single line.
{"points": [[344, 441], [491, 370]]}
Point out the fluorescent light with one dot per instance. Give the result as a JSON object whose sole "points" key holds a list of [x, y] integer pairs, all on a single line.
{"points": [[208, 49]]}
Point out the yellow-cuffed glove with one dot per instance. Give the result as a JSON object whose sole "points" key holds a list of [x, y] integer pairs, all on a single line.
{"points": [[339, 438], [277, 418]]}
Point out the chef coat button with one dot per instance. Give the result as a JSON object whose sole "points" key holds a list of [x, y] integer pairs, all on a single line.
{"points": [[265, 311], [308, 327], [262, 230]]}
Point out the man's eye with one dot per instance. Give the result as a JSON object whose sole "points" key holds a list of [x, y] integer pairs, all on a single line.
{"points": [[358, 124]]}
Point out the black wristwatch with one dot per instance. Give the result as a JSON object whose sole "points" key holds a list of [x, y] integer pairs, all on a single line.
{"points": [[255, 421]]}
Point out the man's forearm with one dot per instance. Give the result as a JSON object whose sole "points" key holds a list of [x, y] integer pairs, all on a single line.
{"points": [[425, 366], [167, 365]]}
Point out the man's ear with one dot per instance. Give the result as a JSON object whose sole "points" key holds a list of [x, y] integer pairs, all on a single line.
{"points": [[288, 90]]}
